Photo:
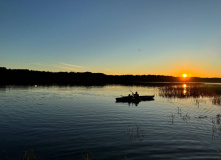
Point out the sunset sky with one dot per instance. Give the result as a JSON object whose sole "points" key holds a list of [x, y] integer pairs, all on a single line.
{"points": [[163, 37]]}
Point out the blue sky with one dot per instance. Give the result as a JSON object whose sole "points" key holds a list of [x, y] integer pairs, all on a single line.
{"points": [[167, 37]]}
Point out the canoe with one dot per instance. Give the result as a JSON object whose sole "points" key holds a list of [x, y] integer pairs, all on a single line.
{"points": [[133, 99]]}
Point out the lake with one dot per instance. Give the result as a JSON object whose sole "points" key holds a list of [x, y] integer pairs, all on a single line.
{"points": [[85, 122]]}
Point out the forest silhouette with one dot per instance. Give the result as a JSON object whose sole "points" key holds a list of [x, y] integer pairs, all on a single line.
{"points": [[30, 77]]}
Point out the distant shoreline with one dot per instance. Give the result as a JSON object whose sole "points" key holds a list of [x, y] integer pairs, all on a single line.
{"points": [[29, 77]]}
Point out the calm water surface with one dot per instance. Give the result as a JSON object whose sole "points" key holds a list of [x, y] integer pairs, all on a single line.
{"points": [[72, 122]]}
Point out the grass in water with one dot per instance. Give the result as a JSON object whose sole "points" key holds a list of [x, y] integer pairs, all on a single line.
{"points": [[87, 155], [29, 155]]}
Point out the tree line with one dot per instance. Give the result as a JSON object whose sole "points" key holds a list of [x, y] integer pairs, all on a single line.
{"points": [[29, 77]]}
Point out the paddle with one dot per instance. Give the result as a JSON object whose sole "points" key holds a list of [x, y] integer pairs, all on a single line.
{"points": [[132, 93]]}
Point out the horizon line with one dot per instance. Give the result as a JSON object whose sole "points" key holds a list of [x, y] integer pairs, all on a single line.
{"points": [[109, 74]]}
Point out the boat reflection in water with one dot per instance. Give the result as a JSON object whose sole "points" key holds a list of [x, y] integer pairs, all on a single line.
{"points": [[130, 103], [191, 90], [134, 100]]}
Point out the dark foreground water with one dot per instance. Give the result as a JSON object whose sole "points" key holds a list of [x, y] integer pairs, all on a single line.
{"points": [[74, 123]]}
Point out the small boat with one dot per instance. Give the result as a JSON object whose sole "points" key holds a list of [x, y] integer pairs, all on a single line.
{"points": [[134, 99]]}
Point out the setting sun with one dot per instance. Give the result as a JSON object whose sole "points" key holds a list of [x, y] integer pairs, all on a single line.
{"points": [[184, 75]]}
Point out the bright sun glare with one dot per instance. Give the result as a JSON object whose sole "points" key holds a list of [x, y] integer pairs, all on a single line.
{"points": [[184, 75]]}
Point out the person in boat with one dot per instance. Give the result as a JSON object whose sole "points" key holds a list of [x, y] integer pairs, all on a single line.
{"points": [[129, 96], [136, 95]]}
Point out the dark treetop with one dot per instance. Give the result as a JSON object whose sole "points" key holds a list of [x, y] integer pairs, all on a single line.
{"points": [[28, 77]]}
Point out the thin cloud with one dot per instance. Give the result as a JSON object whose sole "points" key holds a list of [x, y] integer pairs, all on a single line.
{"points": [[66, 68], [72, 65], [61, 65]]}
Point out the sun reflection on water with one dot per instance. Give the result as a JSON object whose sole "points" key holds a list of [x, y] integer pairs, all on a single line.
{"points": [[184, 90]]}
